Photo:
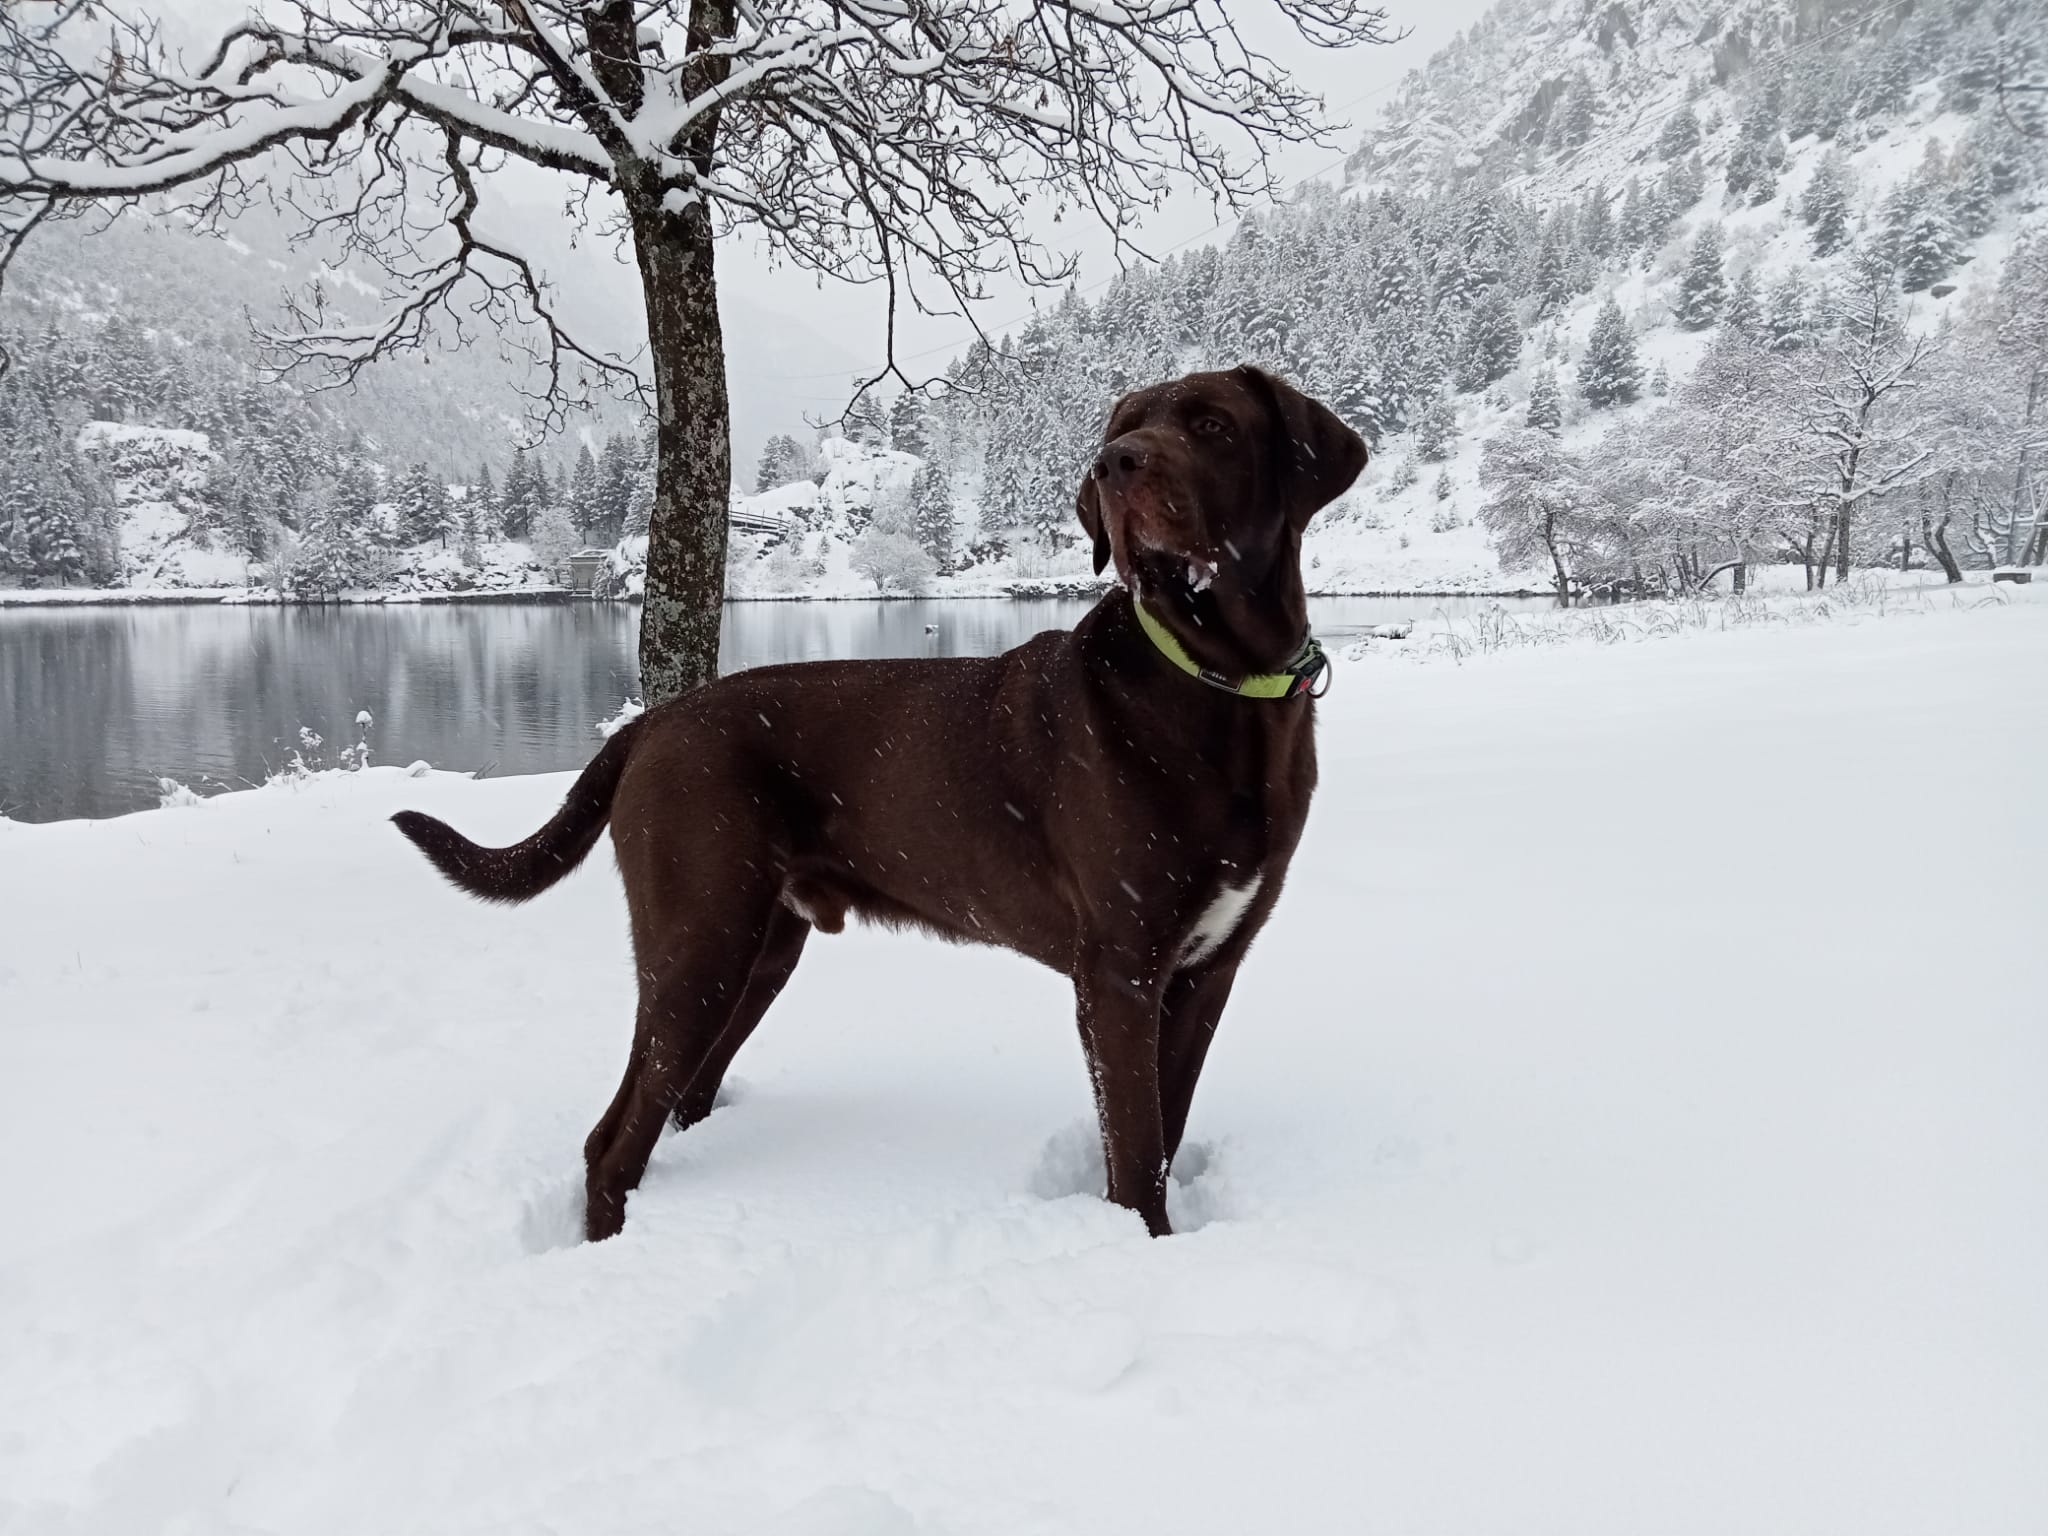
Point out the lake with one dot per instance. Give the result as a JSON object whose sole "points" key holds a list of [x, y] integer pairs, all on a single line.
{"points": [[98, 703]]}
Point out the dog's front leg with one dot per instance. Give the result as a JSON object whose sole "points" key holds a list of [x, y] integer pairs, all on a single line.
{"points": [[1119, 1018]]}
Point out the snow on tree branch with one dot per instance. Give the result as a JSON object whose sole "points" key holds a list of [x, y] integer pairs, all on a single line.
{"points": [[911, 142]]}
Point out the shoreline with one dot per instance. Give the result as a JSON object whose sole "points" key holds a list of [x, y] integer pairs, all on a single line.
{"points": [[236, 597]]}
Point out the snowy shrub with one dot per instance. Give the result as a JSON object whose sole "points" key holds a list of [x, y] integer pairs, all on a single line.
{"points": [[306, 762], [553, 540], [170, 794], [784, 571], [1444, 519], [892, 561]]}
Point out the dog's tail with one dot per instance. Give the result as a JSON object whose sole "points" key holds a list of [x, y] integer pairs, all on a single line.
{"points": [[528, 867]]}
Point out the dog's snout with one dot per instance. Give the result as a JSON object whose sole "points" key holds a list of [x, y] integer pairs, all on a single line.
{"points": [[1119, 461]]}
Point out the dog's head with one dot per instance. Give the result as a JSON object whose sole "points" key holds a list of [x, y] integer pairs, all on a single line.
{"points": [[1208, 481]]}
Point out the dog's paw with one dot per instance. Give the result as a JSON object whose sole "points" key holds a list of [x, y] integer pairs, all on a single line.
{"points": [[1070, 1163]]}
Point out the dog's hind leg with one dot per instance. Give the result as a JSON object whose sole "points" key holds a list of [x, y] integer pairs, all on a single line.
{"points": [[781, 947], [686, 1000]]}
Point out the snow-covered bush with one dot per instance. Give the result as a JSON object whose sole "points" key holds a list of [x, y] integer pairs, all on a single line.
{"points": [[553, 540], [893, 561]]}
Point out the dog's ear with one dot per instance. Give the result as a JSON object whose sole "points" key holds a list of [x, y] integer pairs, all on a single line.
{"points": [[1088, 507], [1318, 455]]}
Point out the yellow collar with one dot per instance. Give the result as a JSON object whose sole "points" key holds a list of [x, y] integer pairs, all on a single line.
{"points": [[1297, 677]]}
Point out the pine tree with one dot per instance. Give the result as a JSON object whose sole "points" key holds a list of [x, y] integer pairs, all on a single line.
{"points": [[480, 507], [468, 521], [1685, 183], [864, 422], [1681, 135], [615, 470], [1436, 429], [1546, 402], [1970, 197], [1632, 226], [1787, 328], [1884, 81], [525, 493], [354, 493], [909, 428], [1396, 281], [1702, 291], [782, 463], [1491, 341], [329, 554], [1577, 113], [1825, 207], [420, 512], [1608, 371], [243, 520], [1743, 314], [1745, 165], [1550, 284], [640, 506], [584, 510], [931, 515], [56, 540], [2008, 153], [1594, 230], [1658, 216], [1928, 250]]}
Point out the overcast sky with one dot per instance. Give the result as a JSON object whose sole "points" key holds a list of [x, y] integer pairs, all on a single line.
{"points": [[848, 319]]}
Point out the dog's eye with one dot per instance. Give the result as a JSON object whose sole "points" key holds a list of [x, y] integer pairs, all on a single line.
{"points": [[1209, 426]]}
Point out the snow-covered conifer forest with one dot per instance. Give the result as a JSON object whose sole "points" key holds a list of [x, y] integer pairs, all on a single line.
{"points": [[1769, 282]]}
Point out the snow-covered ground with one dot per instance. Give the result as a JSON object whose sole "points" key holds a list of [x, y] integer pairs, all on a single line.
{"points": [[1632, 1122]]}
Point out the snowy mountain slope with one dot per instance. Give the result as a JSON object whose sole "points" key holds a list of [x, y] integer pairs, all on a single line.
{"points": [[1525, 1193], [1560, 156], [199, 296]]}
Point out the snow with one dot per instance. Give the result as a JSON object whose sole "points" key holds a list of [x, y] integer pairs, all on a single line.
{"points": [[1630, 1122], [167, 442]]}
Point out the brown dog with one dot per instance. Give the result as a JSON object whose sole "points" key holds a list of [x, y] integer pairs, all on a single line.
{"points": [[1119, 802]]}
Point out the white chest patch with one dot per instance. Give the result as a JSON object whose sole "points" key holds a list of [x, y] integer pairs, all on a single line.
{"points": [[1218, 922]]}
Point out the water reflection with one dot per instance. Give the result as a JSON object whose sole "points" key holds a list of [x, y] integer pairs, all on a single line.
{"points": [[97, 703]]}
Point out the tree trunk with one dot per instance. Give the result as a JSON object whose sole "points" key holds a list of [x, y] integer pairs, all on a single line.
{"points": [[1564, 582], [684, 605], [1935, 537]]}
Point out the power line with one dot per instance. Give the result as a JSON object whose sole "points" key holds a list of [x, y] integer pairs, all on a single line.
{"points": [[1635, 126]]}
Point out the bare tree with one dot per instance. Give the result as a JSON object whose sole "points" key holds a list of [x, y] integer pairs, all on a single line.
{"points": [[1845, 394], [1537, 504], [2020, 312], [913, 143]]}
